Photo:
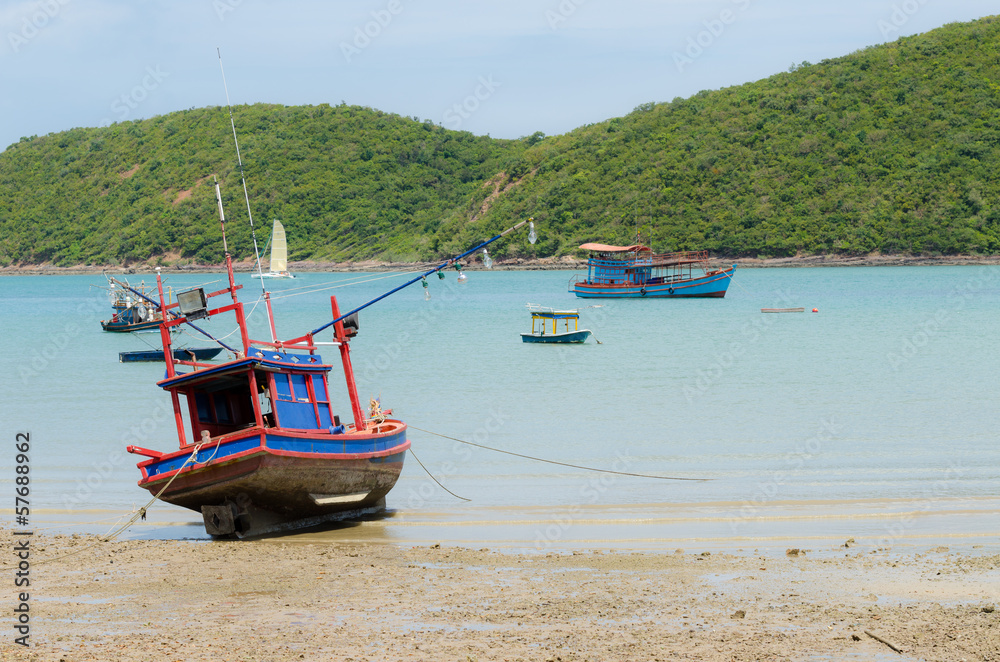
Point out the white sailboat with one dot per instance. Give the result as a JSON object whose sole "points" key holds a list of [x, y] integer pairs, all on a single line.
{"points": [[279, 254]]}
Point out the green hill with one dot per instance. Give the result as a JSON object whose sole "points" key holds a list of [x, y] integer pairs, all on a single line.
{"points": [[347, 183], [891, 149]]}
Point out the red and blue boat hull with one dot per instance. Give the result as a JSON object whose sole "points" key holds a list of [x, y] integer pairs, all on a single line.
{"points": [[713, 284], [272, 480]]}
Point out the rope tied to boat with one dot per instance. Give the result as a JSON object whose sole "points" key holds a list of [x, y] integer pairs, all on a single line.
{"points": [[562, 464], [141, 512]]}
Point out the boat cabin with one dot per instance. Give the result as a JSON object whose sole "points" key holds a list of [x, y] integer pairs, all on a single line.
{"points": [[638, 266], [552, 319], [269, 389]]}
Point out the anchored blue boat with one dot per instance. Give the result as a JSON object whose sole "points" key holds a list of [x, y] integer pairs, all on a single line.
{"points": [[131, 306], [636, 272], [549, 320], [184, 353]]}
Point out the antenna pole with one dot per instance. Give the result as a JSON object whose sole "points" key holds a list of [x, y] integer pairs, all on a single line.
{"points": [[246, 195]]}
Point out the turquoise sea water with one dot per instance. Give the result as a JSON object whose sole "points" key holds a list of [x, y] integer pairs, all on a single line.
{"points": [[874, 418]]}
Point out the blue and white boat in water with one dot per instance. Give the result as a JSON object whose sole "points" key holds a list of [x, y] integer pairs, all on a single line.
{"points": [[549, 321], [616, 272]]}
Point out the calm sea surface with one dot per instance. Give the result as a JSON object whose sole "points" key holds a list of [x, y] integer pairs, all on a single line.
{"points": [[875, 418]]}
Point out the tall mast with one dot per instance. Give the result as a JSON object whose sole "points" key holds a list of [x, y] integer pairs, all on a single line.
{"points": [[246, 196]]}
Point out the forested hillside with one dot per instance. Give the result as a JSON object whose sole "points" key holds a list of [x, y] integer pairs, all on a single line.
{"points": [[347, 183], [892, 149]]}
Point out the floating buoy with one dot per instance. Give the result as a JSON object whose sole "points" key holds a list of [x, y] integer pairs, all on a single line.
{"points": [[815, 310]]}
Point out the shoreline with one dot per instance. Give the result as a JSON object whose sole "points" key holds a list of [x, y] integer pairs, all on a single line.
{"points": [[516, 264], [284, 599]]}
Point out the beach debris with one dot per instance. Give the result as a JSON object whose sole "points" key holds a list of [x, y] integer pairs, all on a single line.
{"points": [[989, 609], [855, 637], [739, 613], [849, 542], [887, 643], [795, 551]]}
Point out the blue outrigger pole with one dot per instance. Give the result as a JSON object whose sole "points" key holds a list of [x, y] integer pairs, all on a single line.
{"points": [[441, 266]]}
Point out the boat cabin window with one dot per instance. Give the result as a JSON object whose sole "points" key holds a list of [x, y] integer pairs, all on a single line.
{"points": [[302, 402], [221, 410]]}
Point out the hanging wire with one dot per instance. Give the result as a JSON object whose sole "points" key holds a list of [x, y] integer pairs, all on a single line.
{"points": [[344, 284]]}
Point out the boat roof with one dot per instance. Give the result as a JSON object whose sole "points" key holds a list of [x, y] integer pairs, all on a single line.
{"points": [[605, 248], [556, 314], [272, 360], [544, 311]]}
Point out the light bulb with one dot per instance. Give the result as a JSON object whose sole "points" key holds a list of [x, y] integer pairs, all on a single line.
{"points": [[461, 277], [532, 237], [487, 260], [427, 295]]}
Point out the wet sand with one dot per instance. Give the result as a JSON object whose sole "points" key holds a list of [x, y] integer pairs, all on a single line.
{"points": [[299, 599]]}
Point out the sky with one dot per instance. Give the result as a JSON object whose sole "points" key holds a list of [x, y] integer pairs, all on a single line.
{"points": [[505, 69]]}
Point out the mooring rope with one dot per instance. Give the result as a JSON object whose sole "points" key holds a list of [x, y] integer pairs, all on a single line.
{"points": [[435, 479], [562, 464], [112, 534]]}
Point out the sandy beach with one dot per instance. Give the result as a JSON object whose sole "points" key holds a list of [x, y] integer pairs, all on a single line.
{"points": [[294, 599]]}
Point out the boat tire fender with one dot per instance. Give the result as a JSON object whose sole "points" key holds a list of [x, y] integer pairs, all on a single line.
{"points": [[643, 291], [670, 290]]}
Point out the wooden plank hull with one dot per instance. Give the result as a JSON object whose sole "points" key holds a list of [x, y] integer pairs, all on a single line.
{"points": [[153, 355], [126, 327], [571, 337], [281, 480]]}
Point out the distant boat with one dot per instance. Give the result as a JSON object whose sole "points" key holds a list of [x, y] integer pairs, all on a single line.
{"points": [[782, 310], [549, 317], [131, 312], [636, 272], [279, 254], [183, 354]]}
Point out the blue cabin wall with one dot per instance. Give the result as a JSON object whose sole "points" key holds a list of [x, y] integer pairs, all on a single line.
{"points": [[302, 401]]}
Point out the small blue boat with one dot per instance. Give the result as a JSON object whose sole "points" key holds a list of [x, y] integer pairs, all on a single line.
{"points": [[183, 354], [548, 322]]}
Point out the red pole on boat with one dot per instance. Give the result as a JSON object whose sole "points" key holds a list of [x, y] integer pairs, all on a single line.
{"points": [[270, 316], [168, 358], [168, 354], [345, 356]]}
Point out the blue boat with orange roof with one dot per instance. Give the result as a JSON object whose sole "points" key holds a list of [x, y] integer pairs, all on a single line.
{"points": [[617, 272]]}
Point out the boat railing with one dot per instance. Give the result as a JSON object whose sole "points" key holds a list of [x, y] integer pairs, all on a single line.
{"points": [[680, 257]]}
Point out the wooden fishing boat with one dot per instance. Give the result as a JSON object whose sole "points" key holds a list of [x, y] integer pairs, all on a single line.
{"points": [[548, 322], [278, 264], [153, 355], [261, 448], [132, 311], [636, 272]]}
